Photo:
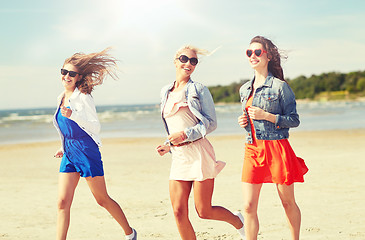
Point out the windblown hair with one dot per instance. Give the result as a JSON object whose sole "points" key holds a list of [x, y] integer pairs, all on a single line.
{"points": [[94, 68], [273, 54], [196, 50]]}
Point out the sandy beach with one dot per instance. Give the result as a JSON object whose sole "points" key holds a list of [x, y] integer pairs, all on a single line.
{"points": [[331, 199]]}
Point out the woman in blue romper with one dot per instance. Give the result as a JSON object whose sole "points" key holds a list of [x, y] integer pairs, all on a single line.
{"points": [[78, 126]]}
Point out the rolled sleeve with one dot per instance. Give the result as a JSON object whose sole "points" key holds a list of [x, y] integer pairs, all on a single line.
{"points": [[206, 115]]}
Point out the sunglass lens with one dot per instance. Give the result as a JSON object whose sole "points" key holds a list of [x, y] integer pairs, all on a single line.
{"points": [[64, 71], [193, 61], [249, 53], [183, 59], [258, 52], [72, 73]]}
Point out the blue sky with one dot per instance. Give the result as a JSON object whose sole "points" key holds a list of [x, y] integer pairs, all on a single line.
{"points": [[36, 37]]}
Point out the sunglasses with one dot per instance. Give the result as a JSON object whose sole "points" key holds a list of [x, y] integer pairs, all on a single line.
{"points": [[258, 52], [71, 73], [185, 59]]}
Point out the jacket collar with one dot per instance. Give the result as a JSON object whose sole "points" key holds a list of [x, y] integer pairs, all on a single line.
{"points": [[173, 84], [74, 95], [268, 81]]}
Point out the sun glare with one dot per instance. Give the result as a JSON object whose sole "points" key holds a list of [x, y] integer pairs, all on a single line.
{"points": [[145, 15]]}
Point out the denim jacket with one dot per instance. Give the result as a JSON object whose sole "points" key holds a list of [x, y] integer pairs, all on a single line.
{"points": [[200, 103], [275, 97]]}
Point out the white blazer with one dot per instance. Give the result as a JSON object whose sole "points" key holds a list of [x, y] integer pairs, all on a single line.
{"points": [[83, 113]]}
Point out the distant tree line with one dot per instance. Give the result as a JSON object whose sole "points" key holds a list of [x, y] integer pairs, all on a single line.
{"points": [[350, 83], [332, 85], [226, 94]]}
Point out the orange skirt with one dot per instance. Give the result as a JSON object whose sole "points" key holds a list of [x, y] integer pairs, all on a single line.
{"points": [[272, 161]]}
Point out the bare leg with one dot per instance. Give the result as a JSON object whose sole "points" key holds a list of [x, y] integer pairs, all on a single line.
{"points": [[98, 188], [251, 193], [286, 194], [179, 195], [203, 192], [66, 189]]}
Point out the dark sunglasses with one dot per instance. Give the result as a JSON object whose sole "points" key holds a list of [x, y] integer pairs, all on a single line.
{"points": [[258, 52], [185, 59], [71, 73]]}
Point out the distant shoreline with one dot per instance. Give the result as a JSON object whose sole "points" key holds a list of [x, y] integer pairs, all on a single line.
{"points": [[35, 125], [306, 100]]}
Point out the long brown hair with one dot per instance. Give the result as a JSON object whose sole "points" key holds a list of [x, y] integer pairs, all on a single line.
{"points": [[273, 54], [94, 68]]}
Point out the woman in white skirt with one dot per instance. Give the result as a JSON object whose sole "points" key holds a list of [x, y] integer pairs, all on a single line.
{"points": [[188, 114]]}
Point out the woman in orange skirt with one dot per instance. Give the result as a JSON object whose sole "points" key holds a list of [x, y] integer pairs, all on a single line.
{"points": [[269, 110]]}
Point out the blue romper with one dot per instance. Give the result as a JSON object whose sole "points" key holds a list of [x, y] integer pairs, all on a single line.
{"points": [[81, 153]]}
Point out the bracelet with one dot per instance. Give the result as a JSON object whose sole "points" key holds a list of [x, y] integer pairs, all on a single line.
{"points": [[183, 136]]}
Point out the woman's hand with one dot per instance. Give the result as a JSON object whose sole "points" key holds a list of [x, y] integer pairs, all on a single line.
{"points": [[242, 120], [177, 138], [66, 112], [163, 149], [59, 154], [259, 114]]}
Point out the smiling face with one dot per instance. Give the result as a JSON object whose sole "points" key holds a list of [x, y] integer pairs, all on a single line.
{"points": [[68, 82], [185, 69], [258, 63]]}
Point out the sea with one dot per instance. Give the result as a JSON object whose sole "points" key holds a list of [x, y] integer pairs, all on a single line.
{"points": [[125, 121]]}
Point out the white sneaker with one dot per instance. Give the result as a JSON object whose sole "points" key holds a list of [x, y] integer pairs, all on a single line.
{"points": [[241, 231], [134, 234]]}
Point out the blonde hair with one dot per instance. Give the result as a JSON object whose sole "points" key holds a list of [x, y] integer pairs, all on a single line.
{"points": [[94, 68], [197, 51]]}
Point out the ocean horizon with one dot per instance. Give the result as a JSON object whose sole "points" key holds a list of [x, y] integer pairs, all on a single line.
{"points": [[144, 120]]}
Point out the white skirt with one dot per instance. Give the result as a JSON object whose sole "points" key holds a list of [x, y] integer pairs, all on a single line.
{"points": [[195, 162]]}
